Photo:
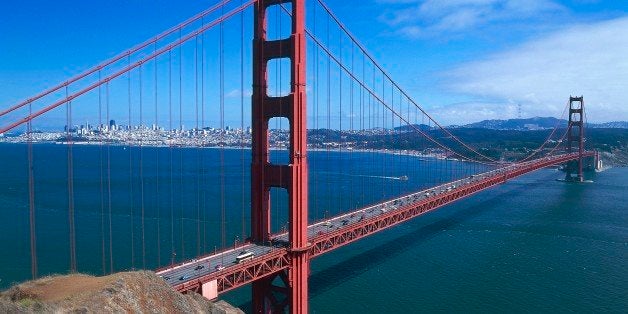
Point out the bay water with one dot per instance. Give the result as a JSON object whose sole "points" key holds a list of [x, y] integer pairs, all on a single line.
{"points": [[533, 244]]}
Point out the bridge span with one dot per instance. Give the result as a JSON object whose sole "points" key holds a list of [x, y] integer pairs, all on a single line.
{"points": [[356, 105], [217, 273]]}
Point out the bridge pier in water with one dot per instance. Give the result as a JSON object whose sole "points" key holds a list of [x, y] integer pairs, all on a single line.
{"points": [[294, 176]]}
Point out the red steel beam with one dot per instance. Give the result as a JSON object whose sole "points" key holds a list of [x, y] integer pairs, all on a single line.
{"points": [[236, 276], [294, 176]]}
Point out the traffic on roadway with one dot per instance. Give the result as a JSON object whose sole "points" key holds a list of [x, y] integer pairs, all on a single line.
{"points": [[181, 273]]}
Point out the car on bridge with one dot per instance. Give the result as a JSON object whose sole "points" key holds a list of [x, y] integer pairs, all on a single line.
{"points": [[185, 277]]}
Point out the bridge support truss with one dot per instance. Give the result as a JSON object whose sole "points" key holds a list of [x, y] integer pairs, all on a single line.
{"points": [[575, 139], [294, 176]]}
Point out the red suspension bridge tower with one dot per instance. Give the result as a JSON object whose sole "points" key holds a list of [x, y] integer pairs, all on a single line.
{"points": [[293, 177], [575, 138]]}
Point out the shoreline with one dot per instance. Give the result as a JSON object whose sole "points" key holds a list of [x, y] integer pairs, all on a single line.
{"points": [[273, 148]]}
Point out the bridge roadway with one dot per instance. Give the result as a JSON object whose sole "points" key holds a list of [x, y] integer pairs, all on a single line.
{"points": [[223, 269]]}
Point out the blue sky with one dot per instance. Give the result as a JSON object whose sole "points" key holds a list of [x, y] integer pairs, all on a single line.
{"points": [[463, 60]]}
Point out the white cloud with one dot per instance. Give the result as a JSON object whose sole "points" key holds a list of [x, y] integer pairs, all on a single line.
{"points": [[587, 60], [469, 112], [237, 93], [424, 18]]}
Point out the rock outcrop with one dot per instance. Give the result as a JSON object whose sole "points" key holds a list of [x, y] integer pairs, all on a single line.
{"points": [[128, 292]]}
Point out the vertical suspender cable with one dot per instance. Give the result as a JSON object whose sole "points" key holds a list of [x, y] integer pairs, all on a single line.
{"points": [[109, 129], [242, 156], [141, 130], [181, 203], [102, 184], [222, 131], [329, 133], [204, 170], [170, 139], [197, 138], [71, 186], [351, 128], [362, 126], [371, 127], [340, 156], [409, 148], [278, 125], [384, 156], [157, 168], [31, 197], [316, 119], [130, 138]]}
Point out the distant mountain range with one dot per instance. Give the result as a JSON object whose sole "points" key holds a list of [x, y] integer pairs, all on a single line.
{"points": [[536, 123], [529, 124]]}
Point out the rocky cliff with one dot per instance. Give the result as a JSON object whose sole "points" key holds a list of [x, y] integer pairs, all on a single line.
{"points": [[128, 292]]}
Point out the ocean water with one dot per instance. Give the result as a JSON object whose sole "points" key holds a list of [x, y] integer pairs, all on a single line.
{"points": [[531, 245]]}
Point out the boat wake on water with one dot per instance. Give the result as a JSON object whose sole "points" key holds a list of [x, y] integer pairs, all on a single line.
{"points": [[401, 178]]}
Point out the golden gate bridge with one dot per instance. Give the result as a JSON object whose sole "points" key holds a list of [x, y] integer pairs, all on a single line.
{"points": [[243, 63]]}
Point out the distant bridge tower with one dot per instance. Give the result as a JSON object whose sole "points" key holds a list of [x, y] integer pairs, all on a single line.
{"points": [[575, 138], [279, 291]]}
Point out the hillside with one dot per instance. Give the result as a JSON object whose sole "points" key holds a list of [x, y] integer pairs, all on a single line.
{"points": [[498, 144], [538, 123], [129, 292]]}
